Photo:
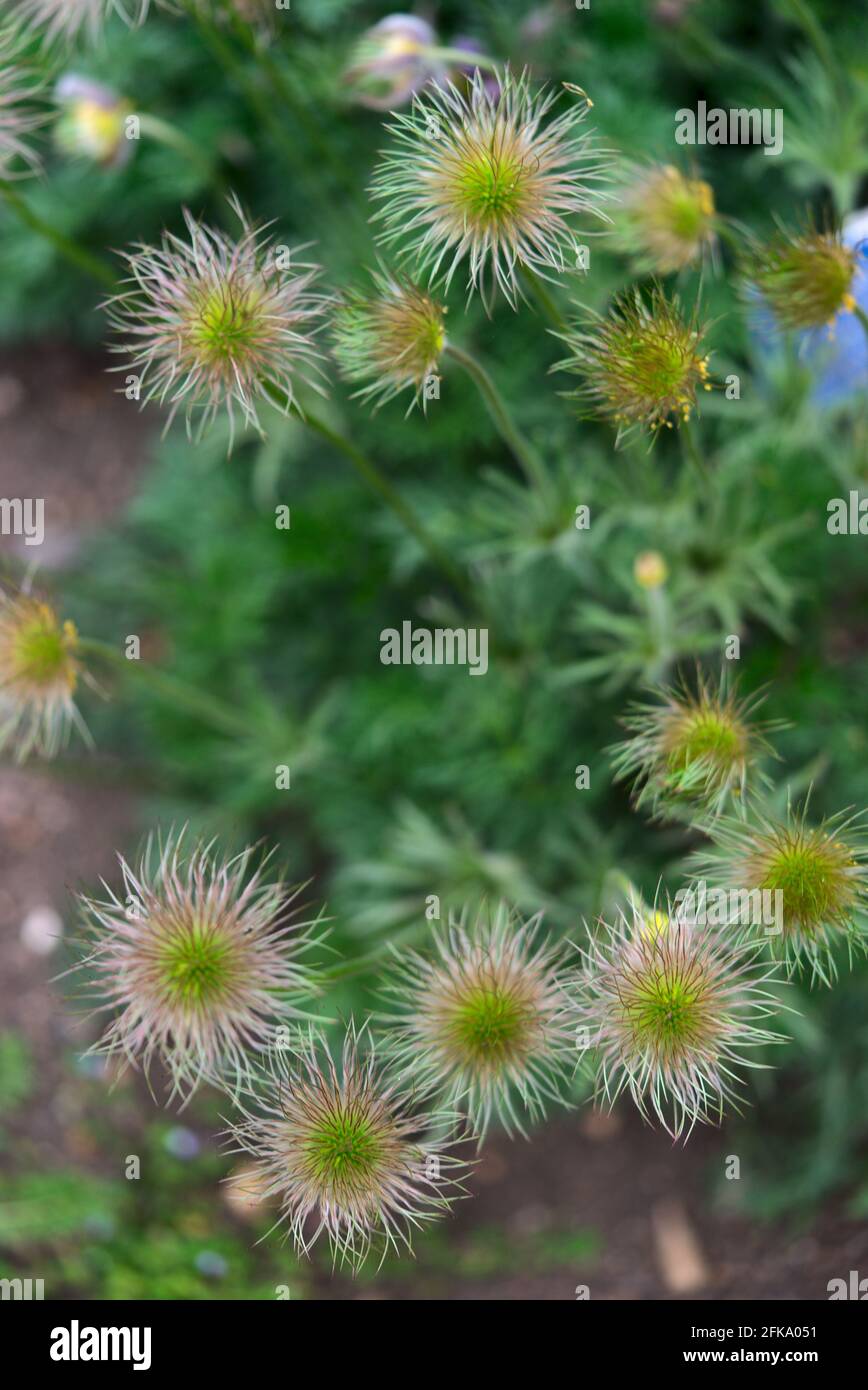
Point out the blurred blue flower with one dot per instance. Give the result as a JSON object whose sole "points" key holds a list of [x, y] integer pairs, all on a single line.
{"points": [[212, 1265], [837, 356], [182, 1143]]}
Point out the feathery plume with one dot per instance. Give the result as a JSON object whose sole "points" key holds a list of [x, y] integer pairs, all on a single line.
{"points": [[642, 364], [39, 673], [67, 20], [821, 872], [671, 1008], [484, 178], [346, 1149], [483, 1020], [18, 116], [211, 323], [199, 960], [391, 339], [693, 748]]}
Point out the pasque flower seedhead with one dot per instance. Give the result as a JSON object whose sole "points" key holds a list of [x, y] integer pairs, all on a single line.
{"points": [[347, 1149], [483, 1019], [820, 871], [214, 324], [671, 1010], [668, 219], [19, 116], [643, 364], [806, 278], [200, 960], [40, 670], [694, 748], [487, 179], [389, 338]]}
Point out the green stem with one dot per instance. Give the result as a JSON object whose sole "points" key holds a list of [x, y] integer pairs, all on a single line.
{"points": [[251, 91], [462, 57], [313, 130], [859, 313], [167, 134], [381, 485], [386, 951], [691, 452], [75, 254], [348, 968], [523, 452], [170, 688], [546, 303]]}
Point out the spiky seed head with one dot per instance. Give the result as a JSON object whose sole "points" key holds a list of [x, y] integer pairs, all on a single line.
{"points": [[489, 180], [668, 219], [211, 324], [19, 116], [643, 364], [670, 1009], [483, 1019], [391, 61], [820, 871], [200, 959], [39, 673], [693, 748], [805, 278], [92, 121], [66, 20], [391, 338], [348, 1151]]}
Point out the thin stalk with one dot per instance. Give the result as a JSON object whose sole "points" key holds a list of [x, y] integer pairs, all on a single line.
{"points": [[660, 628], [462, 57], [74, 253], [859, 313], [282, 89], [385, 952], [523, 452], [169, 688], [381, 485], [251, 91], [347, 969], [167, 134], [541, 294], [691, 452]]}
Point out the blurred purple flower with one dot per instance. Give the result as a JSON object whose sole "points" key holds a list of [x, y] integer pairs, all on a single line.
{"points": [[392, 61], [489, 80]]}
